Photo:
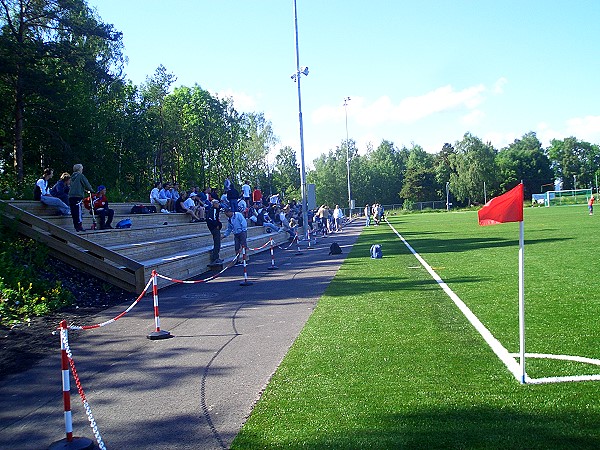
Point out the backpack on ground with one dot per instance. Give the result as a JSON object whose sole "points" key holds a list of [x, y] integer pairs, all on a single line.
{"points": [[143, 209], [335, 249], [125, 223], [376, 251]]}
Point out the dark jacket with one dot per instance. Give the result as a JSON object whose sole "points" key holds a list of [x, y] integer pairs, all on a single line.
{"points": [[213, 222]]}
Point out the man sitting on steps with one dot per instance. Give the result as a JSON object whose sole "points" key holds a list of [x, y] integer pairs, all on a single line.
{"points": [[104, 213]]}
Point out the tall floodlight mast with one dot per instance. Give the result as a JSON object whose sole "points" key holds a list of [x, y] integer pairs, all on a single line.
{"points": [[296, 78]]}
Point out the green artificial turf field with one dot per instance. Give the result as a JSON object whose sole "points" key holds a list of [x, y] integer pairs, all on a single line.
{"points": [[387, 360]]}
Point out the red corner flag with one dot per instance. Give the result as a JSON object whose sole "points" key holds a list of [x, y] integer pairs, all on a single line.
{"points": [[507, 207]]}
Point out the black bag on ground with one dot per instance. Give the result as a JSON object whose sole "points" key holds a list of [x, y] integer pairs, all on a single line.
{"points": [[143, 209], [335, 249]]}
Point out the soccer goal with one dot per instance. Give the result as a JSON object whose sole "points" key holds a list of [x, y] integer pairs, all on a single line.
{"points": [[568, 197]]}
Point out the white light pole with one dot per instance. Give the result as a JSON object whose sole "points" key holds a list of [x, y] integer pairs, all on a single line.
{"points": [[296, 78], [447, 196], [346, 100]]}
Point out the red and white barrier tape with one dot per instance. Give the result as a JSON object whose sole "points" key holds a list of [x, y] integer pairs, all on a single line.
{"points": [[205, 280], [261, 247], [290, 244], [98, 325]]}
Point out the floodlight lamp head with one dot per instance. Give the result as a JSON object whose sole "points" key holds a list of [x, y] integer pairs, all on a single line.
{"points": [[293, 77], [305, 70]]}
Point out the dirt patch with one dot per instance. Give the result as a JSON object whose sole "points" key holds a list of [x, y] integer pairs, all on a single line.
{"points": [[25, 344]]}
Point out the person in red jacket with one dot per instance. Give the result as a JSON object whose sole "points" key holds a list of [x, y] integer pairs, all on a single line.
{"points": [[104, 213], [256, 195]]}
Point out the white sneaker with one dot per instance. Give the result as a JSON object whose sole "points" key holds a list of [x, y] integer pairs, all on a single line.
{"points": [[164, 211]]}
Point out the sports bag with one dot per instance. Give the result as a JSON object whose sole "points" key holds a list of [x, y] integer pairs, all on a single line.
{"points": [[335, 249], [376, 251], [125, 223], [143, 209]]}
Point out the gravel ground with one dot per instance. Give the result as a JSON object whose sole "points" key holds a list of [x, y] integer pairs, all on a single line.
{"points": [[25, 344]]}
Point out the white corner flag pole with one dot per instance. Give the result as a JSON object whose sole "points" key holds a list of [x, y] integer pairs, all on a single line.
{"points": [[522, 299]]}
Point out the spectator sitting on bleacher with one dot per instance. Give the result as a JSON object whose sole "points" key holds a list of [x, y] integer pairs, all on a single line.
{"points": [[242, 207], [198, 205], [155, 197], [285, 224], [165, 193], [104, 213], [265, 220], [42, 193], [204, 197], [182, 207], [61, 188], [175, 192]]}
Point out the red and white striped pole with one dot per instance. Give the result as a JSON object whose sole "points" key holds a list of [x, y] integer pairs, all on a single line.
{"points": [[66, 382], [245, 282], [157, 333], [69, 442], [272, 266]]}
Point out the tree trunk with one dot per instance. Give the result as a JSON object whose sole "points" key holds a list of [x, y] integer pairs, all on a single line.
{"points": [[19, 112]]}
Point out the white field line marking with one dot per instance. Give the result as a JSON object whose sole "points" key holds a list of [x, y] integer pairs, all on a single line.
{"points": [[570, 378], [507, 358], [510, 362]]}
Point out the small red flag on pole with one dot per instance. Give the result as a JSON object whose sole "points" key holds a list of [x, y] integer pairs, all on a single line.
{"points": [[507, 207]]}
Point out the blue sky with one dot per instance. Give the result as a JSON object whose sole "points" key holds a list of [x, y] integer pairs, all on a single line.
{"points": [[416, 72]]}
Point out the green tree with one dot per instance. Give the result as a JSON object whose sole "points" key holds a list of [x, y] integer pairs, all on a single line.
{"points": [[385, 167], [524, 160], [473, 166], [286, 173], [45, 44], [153, 97], [574, 161], [419, 184], [257, 142]]}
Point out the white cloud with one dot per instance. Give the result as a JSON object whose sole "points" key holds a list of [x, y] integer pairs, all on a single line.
{"points": [[241, 101], [500, 140], [409, 110], [499, 85], [545, 134], [585, 128], [473, 118]]}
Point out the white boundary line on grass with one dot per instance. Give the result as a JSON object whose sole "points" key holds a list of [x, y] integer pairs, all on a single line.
{"points": [[507, 358]]}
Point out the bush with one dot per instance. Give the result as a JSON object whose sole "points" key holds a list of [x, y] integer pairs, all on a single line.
{"points": [[24, 293]]}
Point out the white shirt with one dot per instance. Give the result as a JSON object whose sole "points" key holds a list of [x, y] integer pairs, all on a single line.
{"points": [[189, 203], [245, 190], [43, 185], [153, 195]]}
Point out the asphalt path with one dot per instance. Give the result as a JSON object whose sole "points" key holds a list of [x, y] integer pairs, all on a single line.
{"points": [[194, 390]]}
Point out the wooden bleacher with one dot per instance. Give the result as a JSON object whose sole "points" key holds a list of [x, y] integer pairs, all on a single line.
{"points": [[167, 243]]}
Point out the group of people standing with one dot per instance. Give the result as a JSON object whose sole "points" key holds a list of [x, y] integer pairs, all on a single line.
{"points": [[68, 193], [329, 221], [375, 210]]}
